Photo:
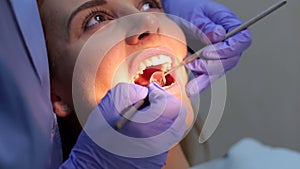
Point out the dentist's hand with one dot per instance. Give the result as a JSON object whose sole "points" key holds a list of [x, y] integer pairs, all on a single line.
{"points": [[213, 20], [100, 146]]}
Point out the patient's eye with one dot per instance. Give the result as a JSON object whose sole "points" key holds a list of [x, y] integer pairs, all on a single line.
{"points": [[96, 18], [149, 4]]}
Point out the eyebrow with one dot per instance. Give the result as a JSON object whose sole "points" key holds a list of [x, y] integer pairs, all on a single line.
{"points": [[88, 4]]}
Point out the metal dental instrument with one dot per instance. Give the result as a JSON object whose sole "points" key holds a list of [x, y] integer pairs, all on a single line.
{"points": [[247, 24], [132, 110], [129, 113]]}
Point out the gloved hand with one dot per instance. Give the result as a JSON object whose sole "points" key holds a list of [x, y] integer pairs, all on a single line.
{"points": [[213, 20], [100, 146]]}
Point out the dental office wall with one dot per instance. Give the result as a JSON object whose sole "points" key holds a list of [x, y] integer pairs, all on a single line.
{"points": [[263, 91]]}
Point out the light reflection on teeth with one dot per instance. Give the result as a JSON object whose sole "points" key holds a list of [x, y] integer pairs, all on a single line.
{"points": [[163, 60], [141, 68], [154, 60], [136, 76], [148, 62], [166, 67]]}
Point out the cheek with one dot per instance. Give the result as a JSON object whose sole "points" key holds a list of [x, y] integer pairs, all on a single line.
{"points": [[180, 50], [107, 71], [103, 81], [62, 66], [175, 36], [177, 44]]}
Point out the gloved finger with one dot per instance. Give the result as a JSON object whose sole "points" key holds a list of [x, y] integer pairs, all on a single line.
{"points": [[213, 67], [124, 95], [156, 108], [120, 98], [168, 111], [210, 32], [195, 23], [231, 47], [221, 15], [198, 84], [163, 103]]}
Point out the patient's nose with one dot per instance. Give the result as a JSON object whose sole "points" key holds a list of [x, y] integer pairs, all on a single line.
{"points": [[143, 26]]}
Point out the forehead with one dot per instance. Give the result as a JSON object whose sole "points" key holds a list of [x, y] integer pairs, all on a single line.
{"points": [[58, 11], [66, 8], [77, 3]]}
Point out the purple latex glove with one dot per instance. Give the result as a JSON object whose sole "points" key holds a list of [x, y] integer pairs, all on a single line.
{"points": [[100, 146], [213, 20]]}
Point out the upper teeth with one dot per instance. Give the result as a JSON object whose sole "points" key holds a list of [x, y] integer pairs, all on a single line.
{"points": [[163, 60]]}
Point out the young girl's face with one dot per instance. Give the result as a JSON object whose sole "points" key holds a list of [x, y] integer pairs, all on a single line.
{"points": [[99, 43]]}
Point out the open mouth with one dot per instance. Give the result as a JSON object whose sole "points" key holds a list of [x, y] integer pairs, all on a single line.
{"points": [[152, 70]]}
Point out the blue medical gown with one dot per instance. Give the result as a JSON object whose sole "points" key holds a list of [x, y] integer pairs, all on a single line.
{"points": [[29, 138]]}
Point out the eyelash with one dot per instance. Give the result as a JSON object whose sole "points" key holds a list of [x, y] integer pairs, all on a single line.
{"points": [[93, 13], [107, 16], [155, 3]]}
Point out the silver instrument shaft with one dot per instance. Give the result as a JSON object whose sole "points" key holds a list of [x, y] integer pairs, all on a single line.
{"points": [[242, 27]]}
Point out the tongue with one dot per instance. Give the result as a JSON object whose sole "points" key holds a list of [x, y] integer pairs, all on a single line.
{"points": [[144, 79]]}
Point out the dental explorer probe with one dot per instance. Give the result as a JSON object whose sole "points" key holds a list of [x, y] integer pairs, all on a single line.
{"points": [[129, 113], [245, 25], [134, 108]]}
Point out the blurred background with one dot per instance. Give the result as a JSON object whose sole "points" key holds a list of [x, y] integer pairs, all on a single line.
{"points": [[263, 91]]}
